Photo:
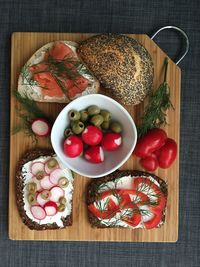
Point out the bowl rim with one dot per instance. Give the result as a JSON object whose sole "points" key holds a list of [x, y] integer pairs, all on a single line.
{"points": [[122, 161]]}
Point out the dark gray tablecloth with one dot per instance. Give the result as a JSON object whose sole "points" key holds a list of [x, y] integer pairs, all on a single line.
{"points": [[110, 16]]}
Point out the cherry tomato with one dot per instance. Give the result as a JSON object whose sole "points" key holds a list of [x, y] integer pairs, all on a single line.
{"points": [[167, 154], [149, 163], [73, 146], [111, 141], [92, 135], [94, 154], [150, 142]]}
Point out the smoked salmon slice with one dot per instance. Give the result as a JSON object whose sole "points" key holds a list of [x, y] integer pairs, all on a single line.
{"points": [[61, 51], [38, 67], [48, 84], [54, 86]]}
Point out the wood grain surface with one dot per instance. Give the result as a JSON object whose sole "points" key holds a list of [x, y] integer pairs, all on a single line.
{"points": [[23, 46]]}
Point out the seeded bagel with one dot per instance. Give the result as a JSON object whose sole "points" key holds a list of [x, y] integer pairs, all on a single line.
{"points": [[121, 64]]}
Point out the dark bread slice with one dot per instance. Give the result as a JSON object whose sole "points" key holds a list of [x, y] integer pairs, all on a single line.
{"points": [[92, 193], [19, 185], [121, 64]]}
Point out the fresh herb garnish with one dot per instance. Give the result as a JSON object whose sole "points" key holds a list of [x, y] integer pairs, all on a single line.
{"points": [[159, 103], [67, 68], [29, 110], [29, 105]]}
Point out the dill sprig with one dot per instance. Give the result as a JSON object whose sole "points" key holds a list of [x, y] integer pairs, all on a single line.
{"points": [[159, 103], [28, 111], [29, 105]]}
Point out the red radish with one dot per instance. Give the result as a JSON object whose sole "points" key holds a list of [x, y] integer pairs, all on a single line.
{"points": [[56, 193], [48, 170], [94, 154], [36, 167], [46, 183], [38, 212], [50, 208], [73, 146], [92, 135], [55, 176], [111, 141], [149, 163], [40, 127], [41, 201]]}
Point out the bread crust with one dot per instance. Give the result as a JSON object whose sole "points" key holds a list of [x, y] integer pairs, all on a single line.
{"points": [[121, 64], [92, 193], [19, 186]]}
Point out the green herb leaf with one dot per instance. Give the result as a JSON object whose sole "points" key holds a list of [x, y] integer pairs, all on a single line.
{"points": [[159, 103], [29, 105]]}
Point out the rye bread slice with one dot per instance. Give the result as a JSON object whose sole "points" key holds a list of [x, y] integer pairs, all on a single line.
{"points": [[19, 186], [92, 192]]}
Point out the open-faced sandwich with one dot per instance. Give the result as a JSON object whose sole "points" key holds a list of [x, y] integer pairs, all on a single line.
{"points": [[44, 188], [55, 74], [121, 64], [128, 199]]}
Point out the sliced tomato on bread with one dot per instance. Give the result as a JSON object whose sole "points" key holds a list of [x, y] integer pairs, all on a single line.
{"points": [[157, 218], [139, 198], [108, 213], [134, 218], [150, 189]]}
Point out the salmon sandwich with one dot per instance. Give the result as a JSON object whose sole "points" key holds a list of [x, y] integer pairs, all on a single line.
{"points": [[56, 74]]}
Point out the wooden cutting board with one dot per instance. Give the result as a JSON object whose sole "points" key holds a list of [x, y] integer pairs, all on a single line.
{"points": [[23, 46]]}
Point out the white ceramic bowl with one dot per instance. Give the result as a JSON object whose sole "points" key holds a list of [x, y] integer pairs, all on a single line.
{"points": [[113, 160]]}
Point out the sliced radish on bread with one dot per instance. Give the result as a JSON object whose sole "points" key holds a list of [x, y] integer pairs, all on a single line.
{"points": [[46, 183], [40, 200], [56, 193], [49, 169], [50, 208], [35, 180], [37, 167], [38, 212], [55, 176]]}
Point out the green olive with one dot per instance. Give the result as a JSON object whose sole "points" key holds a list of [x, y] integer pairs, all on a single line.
{"points": [[72, 123], [68, 132], [84, 115], [40, 175], [106, 115], [31, 187], [74, 115], [52, 163], [93, 110], [105, 125], [46, 194], [61, 207], [78, 127], [31, 199], [63, 182], [62, 200], [97, 120], [116, 127]]}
